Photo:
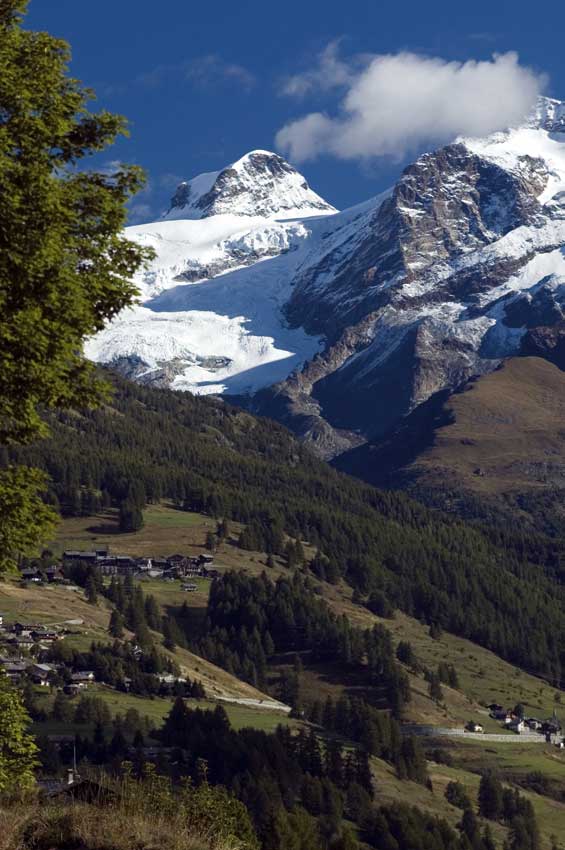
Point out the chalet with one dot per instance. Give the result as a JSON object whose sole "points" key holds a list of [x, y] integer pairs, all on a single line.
{"points": [[22, 642], [495, 709], [206, 560], [176, 560], [473, 726], [45, 635], [159, 563], [24, 629], [77, 555], [533, 723], [125, 565], [40, 673], [84, 790], [82, 677], [108, 566], [517, 725], [54, 575], [14, 670], [193, 567], [551, 727], [30, 574], [61, 740], [154, 751]]}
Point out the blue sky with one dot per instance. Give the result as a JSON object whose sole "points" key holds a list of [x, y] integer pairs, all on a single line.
{"points": [[203, 82]]}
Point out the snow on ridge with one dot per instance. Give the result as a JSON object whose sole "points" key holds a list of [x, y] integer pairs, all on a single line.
{"points": [[212, 301], [259, 183]]}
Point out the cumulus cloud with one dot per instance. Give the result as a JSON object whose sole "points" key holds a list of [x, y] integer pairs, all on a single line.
{"points": [[402, 102]]}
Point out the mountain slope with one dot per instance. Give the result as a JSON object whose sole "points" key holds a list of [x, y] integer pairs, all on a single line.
{"points": [[222, 461], [494, 450], [455, 266]]}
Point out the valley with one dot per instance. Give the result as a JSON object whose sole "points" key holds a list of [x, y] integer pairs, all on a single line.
{"points": [[483, 677], [282, 463]]}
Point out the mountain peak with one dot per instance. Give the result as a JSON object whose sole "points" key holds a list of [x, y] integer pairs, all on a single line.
{"points": [[549, 115], [260, 183]]}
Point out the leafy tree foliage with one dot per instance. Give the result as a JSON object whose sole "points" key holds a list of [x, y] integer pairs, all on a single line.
{"points": [[18, 750], [64, 267]]}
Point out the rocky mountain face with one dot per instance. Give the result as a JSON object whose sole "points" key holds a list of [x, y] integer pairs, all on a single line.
{"points": [[341, 325], [261, 183], [460, 266]]}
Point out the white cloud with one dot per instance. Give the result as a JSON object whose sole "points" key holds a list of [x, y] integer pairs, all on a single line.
{"points": [[330, 72], [400, 103]]}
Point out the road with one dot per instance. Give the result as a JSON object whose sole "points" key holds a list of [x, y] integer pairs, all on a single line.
{"points": [[459, 732], [268, 704]]}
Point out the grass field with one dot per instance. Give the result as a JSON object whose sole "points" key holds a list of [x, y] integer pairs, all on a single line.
{"points": [[507, 424], [483, 676], [157, 708]]}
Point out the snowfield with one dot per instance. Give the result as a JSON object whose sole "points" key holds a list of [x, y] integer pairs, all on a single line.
{"points": [[222, 328]]}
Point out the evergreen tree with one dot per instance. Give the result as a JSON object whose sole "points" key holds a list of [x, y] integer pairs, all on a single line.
{"points": [[405, 653], [456, 795], [91, 592], [65, 267], [490, 797], [62, 708], [434, 687], [131, 516], [116, 626]]}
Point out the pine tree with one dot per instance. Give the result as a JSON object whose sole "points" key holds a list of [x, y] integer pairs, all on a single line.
{"points": [[434, 687], [116, 626], [62, 709], [91, 592], [490, 797], [131, 516]]}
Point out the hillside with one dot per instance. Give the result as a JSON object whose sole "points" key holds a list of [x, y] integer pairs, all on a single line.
{"points": [[483, 677], [224, 462], [495, 450]]}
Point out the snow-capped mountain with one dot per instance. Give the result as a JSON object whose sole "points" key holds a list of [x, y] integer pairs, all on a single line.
{"points": [[346, 322], [210, 318], [261, 183]]}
